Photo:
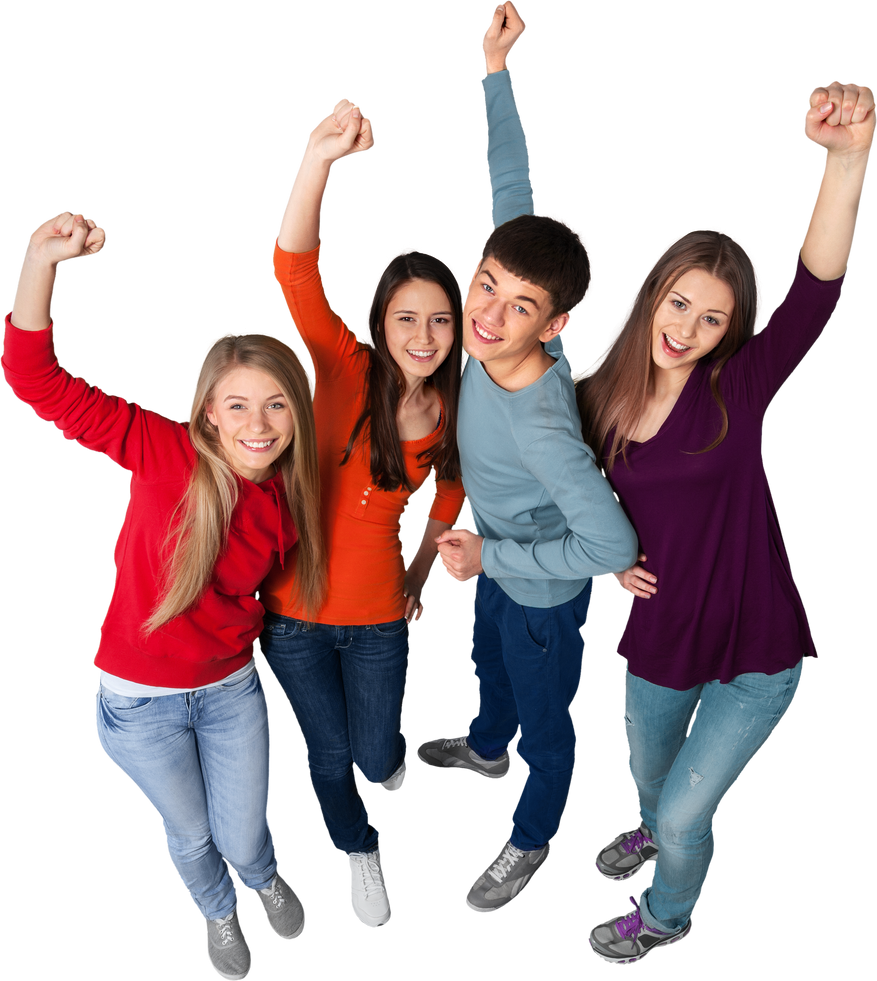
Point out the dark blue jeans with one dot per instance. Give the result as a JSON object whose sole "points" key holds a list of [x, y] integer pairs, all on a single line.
{"points": [[345, 685], [528, 662]]}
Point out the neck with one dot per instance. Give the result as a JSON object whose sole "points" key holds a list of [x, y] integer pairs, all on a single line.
{"points": [[668, 382], [512, 377]]}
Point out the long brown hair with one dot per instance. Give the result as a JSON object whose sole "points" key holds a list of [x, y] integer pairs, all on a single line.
{"points": [[198, 528], [614, 396], [376, 424]]}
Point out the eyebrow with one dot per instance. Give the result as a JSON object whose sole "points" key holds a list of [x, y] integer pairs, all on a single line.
{"points": [[526, 299], [243, 398], [438, 313], [685, 298]]}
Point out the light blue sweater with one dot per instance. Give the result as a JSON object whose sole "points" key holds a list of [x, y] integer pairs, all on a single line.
{"points": [[548, 517]]}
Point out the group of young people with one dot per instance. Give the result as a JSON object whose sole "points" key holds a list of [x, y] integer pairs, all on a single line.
{"points": [[265, 491]]}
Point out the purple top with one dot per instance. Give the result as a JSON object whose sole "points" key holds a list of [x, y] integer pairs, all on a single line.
{"points": [[726, 603]]}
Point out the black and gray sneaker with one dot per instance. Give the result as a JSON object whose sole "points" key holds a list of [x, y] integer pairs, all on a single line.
{"points": [[627, 854], [285, 913], [228, 950], [456, 752], [626, 939], [505, 878]]}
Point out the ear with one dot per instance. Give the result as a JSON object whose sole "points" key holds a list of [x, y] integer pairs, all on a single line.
{"points": [[211, 418], [554, 328]]}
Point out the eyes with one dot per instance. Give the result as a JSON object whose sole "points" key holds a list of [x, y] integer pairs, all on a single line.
{"points": [[515, 306], [271, 405], [434, 320], [708, 318]]}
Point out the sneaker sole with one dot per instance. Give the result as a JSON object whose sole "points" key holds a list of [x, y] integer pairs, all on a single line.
{"points": [[626, 875], [461, 764], [285, 940], [631, 960], [226, 976], [369, 926]]}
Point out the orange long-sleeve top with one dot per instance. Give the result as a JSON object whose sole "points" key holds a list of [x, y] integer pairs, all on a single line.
{"points": [[360, 521]]}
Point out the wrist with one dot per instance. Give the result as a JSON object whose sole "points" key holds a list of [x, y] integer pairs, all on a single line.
{"points": [[496, 64]]}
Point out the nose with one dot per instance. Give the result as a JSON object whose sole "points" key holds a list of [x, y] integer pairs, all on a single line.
{"points": [[259, 423], [492, 311]]}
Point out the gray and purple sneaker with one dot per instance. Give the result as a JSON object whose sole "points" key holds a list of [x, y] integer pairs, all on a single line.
{"points": [[627, 854], [626, 939], [457, 753]]}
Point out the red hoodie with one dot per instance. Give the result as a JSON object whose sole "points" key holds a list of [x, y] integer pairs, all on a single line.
{"points": [[215, 636]]}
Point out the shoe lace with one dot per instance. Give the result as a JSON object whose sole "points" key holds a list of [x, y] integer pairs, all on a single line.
{"points": [[506, 862], [636, 842], [371, 875], [226, 929], [450, 743], [631, 925], [274, 894]]}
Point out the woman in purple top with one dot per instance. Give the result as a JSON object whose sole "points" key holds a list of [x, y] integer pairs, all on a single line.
{"points": [[674, 415]]}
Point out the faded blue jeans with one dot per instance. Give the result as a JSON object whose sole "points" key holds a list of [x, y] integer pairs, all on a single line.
{"points": [[201, 757], [681, 780], [345, 685]]}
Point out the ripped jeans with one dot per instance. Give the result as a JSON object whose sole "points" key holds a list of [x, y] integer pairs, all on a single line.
{"points": [[681, 780]]}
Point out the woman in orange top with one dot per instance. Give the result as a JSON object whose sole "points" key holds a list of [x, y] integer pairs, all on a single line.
{"points": [[384, 415]]}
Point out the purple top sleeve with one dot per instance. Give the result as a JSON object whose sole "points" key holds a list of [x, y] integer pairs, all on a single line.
{"points": [[726, 602]]}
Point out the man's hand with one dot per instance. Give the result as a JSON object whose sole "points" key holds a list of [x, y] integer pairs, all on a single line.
{"points": [[841, 118], [342, 133], [637, 580], [461, 553], [505, 28]]}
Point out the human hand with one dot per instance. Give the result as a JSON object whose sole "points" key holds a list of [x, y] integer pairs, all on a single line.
{"points": [[637, 580], [461, 553], [67, 236], [342, 133], [505, 28], [841, 118], [411, 590]]}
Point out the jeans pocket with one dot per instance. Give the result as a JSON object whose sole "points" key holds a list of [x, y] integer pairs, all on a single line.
{"points": [[392, 629], [277, 627], [123, 704], [238, 686]]}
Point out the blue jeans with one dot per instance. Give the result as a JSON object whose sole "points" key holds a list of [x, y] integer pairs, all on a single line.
{"points": [[681, 780], [345, 685], [528, 662], [202, 759]]}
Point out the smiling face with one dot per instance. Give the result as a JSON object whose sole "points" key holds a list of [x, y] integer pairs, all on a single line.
{"points": [[419, 328], [691, 320], [506, 319], [254, 420]]}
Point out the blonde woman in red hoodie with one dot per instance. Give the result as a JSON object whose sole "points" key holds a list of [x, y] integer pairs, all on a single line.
{"points": [[213, 504]]}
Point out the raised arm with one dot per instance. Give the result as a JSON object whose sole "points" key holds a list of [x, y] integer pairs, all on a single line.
{"points": [[506, 146], [841, 118], [342, 133]]}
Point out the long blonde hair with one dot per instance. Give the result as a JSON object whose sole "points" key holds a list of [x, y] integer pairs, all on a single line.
{"points": [[198, 529], [614, 395]]}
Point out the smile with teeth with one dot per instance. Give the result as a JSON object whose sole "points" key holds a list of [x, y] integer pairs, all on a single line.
{"points": [[484, 333], [419, 355], [675, 345], [258, 444]]}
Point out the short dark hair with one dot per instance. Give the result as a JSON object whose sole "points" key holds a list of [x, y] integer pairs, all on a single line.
{"points": [[546, 253]]}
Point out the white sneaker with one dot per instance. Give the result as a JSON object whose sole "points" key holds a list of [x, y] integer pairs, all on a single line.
{"points": [[370, 902], [394, 782]]}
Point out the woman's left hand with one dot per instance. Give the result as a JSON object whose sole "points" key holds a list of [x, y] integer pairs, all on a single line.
{"points": [[411, 591], [841, 118]]}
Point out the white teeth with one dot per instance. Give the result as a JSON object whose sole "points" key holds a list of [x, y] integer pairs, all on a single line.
{"points": [[675, 345], [486, 334], [257, 444], [421, 354]]}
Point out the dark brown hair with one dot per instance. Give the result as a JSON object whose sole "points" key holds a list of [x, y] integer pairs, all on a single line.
{"points": [[546, 253], [613, 397], [386, 383]]}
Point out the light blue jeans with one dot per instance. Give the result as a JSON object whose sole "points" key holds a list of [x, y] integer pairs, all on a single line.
{"points": [[202, 759], [681, 780]]}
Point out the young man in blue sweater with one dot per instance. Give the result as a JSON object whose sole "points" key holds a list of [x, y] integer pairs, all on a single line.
{"points": [[547, 520]]}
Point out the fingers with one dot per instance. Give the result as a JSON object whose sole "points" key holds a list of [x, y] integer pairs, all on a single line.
{"points": [[365, 140], [453, 536], [513, 19]]}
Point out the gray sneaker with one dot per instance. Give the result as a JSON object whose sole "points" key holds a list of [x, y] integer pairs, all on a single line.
{"points": [[626, 939], [228, 950], [456, 752], [285, 913], [368, 892], [508, 875], [627, 853], [394, 780]]}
